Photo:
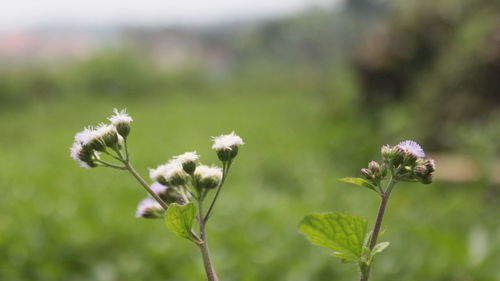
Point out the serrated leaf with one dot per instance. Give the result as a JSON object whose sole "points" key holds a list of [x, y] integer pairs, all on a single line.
{"points": [[342, 233], [360, 182], [379, 247], [179, 219]]}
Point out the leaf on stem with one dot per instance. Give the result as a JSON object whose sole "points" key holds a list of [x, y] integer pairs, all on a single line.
{"points": [[379, 248], [342, 233], [360, 182], [179, 219]]}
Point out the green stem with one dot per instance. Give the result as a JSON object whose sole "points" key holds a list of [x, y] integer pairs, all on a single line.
{"points": [[365, 270], [126, 149], [145, 184], [111, 165], [225, 171], [205, 254]]}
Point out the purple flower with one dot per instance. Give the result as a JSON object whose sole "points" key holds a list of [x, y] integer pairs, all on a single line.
{"points": [[158, 188], [413, 148], [148, 208]]}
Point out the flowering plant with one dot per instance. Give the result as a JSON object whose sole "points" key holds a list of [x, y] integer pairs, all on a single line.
{"points": [[180, 186], [346, 235]]}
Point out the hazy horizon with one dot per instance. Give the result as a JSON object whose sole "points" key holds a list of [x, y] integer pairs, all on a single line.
{"points": [[28, 14]]}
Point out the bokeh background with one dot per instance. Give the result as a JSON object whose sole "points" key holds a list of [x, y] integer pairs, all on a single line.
{"points": [[314, 88]]}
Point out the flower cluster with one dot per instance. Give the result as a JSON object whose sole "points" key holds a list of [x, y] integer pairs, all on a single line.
{"points": [[406, 161], [92, 140], [183, 178]]}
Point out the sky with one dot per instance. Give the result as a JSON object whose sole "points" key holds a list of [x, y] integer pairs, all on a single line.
{"points": [[28, 14]]}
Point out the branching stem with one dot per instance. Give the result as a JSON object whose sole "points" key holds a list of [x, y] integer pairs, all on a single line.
{"points": [[225, 171]]}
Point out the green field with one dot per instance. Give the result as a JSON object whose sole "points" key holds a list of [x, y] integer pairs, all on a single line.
{"points": [[62, 222]]}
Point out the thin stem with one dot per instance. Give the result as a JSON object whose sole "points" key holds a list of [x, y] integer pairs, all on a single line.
{"points": [[205, 254], [365, 270], [225, 170], [145, 184], [117, 158], [111, 165], [182, 191], [126, 149]]}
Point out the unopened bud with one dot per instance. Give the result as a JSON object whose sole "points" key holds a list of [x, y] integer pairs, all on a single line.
{"points": [[397, 157], [421, 171], [431, 166], [427, 179], [205, 177], [387, 152], [367, 173], [373, 166], [111, 139], [150, 209], [383, 170]]}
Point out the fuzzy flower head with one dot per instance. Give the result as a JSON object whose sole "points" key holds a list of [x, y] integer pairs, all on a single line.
{"points": [[149, 208], [81, 156], [227, 146], [166, 193], [107, 134], [206, 177], [171, 173], [413, 148], [82, 150], [85, 137], [121, 120], [188, 161]]}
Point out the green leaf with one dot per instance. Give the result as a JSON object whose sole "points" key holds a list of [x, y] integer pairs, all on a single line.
{"points": [[179, 220], [342, 233], [379, 247], [360, 182]]}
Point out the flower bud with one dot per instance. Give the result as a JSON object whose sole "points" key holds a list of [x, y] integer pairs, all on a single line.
{"points": [[205, 177], [227, 146], [431, 166], [421, 171], [409, 159], [188, 161], [98, 144], [111, 139], [386, 152], [427, 179], [150, 209], [374, 166], [383, 171], [397, 157], [367, 173], [166, 193], [121, 120], [170, 174]]}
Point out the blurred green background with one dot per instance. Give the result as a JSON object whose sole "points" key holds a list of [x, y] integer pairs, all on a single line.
{"points": [[314, 95]]}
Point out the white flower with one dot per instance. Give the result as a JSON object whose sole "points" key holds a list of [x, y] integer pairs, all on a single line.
{"points": [[86, 136], [413, 148], [227, 142], [171, 173], [148, 208], [120, 117], [104, 129], [75, 151], [155, 174], [207, 177], [187, 157]]}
